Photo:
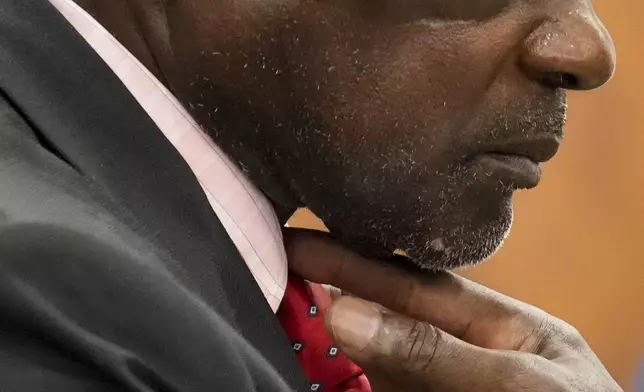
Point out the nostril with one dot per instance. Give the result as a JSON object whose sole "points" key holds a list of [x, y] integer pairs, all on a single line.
{"points": [[560, 80], [569, 81]]}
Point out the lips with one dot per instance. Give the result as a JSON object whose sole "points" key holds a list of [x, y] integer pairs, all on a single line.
{"points": [[518, 171], [537, 150], [517, 164]]}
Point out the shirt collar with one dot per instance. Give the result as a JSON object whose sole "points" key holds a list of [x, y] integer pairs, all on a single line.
{"points": [[244, 211]]}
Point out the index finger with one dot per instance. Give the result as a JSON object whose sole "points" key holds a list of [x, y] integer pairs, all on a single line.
{"points": [[454, 304]]}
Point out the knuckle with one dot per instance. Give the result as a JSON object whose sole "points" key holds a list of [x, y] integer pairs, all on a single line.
{"points": [[420, 346], [542, 332], [550, 330], [568, 334]]}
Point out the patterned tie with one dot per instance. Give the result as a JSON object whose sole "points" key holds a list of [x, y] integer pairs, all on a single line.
{"points": [[302, 316]]}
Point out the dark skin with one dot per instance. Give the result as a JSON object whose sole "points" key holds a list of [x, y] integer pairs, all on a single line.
{"points": [[403, 125], [443, 332], [379, 116]]}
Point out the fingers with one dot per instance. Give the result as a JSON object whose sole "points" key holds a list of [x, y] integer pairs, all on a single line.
{"points": [[334, 292], [400, 354], [467, 336], [396, 345], [460, 307]]}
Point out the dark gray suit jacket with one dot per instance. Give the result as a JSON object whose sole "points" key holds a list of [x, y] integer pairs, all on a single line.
{"points": [[115, 274]]}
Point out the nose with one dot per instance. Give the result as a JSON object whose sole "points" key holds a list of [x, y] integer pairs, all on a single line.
{"points": [[572, 50]]}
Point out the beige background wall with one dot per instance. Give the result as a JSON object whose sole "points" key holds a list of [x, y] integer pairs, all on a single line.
{"points": [[577, 246]]}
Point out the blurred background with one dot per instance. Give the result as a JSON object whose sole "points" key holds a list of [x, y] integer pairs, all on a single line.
{"points": [[577, 245]]}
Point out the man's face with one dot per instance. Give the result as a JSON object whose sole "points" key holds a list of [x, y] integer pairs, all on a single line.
{"points": [[404, 124]]}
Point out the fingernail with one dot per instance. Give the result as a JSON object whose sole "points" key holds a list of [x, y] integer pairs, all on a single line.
{"points": [[354, 322]]}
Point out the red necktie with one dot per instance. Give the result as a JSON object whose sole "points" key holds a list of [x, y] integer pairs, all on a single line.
{"points": [[302, 316]]}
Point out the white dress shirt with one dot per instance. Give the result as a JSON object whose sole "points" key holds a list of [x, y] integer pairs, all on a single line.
{"points": [[243, 210]]}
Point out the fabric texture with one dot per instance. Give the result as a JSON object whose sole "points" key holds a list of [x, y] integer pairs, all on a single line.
{"points": [[115, 273], [243, 210], [302, 315]]}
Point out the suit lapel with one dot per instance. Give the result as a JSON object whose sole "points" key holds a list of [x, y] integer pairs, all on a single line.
{"points": [[81, 110]]}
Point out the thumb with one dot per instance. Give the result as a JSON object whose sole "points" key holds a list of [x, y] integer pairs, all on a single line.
{"points": [[385, 343]]}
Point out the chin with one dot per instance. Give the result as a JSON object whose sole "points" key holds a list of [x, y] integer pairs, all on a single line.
{"points": [[462, 246]]}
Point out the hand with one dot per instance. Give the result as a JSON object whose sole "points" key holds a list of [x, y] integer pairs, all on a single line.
{"points": [[441, 332]]}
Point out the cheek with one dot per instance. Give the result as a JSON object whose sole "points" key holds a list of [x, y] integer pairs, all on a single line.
{"points": [[406, 91], [411, 63]]}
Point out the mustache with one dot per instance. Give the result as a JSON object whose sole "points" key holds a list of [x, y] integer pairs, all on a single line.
{"points": [[539, 117]]}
